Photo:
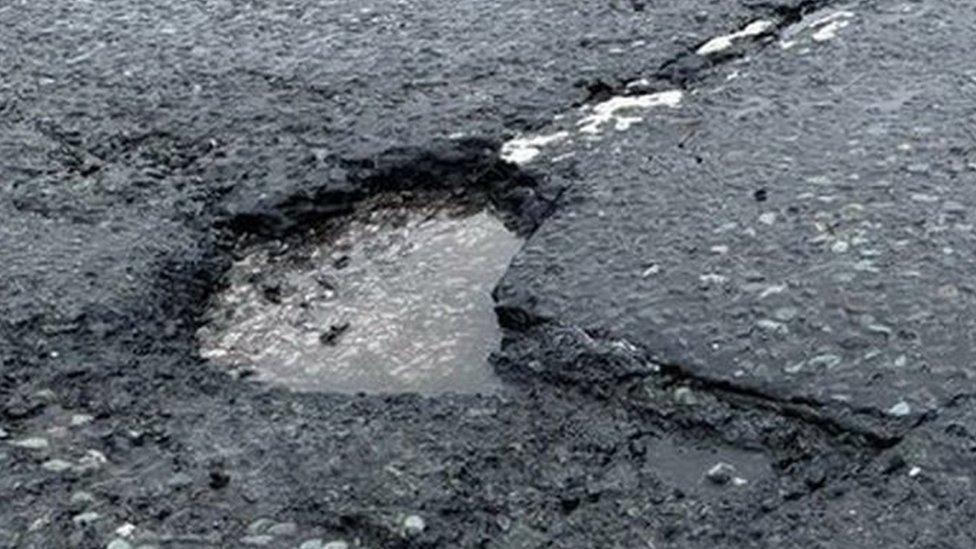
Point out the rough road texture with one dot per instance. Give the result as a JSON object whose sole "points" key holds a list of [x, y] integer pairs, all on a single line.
{"points": [[774, 271]]}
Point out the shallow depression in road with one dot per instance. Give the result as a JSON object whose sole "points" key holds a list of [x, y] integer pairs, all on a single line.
{"points": [[395, 297]]}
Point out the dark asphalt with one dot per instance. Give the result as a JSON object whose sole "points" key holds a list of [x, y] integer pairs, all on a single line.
{"points": [[804, 216], [765, 266]]}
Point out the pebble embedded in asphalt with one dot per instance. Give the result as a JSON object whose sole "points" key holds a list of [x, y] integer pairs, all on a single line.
{"points": [[260, 526], [179, 480], [33, 443], [78, 420], [92, 460], [56, 465], [259, 541], [317, 544], [118, 544], [283, 529], [685, 396], [720, 474], [414, 524], [80, 500], [901, 409], [86, 518]]}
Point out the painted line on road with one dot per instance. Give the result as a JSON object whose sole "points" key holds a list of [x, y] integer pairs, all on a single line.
{"points": [[722, 43], [618, 111]]}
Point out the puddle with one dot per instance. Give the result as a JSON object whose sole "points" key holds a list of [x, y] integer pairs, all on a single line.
{"points": [[395, 297], [686, 467]]}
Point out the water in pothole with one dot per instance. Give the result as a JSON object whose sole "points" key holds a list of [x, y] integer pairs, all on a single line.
{"points": [[396, 297], [688, 467]]}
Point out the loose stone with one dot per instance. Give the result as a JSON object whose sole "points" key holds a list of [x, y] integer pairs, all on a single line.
{"points": [[337, 544], [313, 544], [118, 544]]}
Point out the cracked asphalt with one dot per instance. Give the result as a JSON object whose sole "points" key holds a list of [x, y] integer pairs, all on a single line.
{"points": [[747, 244]]}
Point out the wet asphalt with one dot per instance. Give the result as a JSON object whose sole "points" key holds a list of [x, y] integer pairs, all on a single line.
{"points": [[757, 256]]}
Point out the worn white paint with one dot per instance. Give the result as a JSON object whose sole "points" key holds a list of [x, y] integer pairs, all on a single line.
{"points": [[612, 110], [522, 150], [822, 28], [829, 31], [618, 110], [836, 16], [721, 43]]}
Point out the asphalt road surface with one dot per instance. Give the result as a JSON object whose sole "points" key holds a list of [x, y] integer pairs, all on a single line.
{"points": [[743, 315]]}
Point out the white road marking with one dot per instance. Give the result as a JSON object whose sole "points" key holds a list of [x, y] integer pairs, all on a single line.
{"points": [[610, 110], [720, 43], [522, 150]]}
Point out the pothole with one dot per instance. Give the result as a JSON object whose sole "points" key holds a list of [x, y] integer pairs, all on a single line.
{"points": [[394, 297]]}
